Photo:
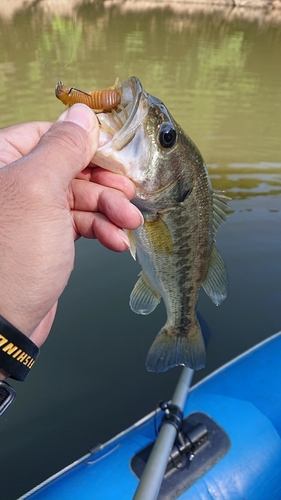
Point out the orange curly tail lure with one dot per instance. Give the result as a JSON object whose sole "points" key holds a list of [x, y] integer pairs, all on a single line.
{"points": [[99, 101]]}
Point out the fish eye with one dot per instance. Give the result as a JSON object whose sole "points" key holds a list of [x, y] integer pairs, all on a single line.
{"points": [[167, 135]]}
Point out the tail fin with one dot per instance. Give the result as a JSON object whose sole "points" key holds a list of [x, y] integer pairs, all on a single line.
{"points": [[172, 348]]}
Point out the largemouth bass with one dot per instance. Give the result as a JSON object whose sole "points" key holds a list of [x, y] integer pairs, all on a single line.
{"points": [[176, 245]]}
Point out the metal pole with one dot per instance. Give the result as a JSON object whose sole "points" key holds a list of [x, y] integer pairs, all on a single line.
{"points": [[153, 474]]}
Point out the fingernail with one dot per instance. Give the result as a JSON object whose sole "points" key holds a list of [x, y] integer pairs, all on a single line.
{"points": [[124, 238], [139, 213], [81, 115]]}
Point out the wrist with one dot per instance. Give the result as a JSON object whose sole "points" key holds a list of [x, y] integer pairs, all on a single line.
{"points": [[17, 352], [16, 316]]}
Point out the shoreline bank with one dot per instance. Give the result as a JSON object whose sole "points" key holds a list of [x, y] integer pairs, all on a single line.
{"points": [[268, 11]]}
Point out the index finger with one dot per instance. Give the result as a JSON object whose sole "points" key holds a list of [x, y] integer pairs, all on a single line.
{"points": [[108, 179]]}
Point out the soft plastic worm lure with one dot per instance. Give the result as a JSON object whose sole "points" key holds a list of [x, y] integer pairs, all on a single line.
{"points": [[99, 101]]}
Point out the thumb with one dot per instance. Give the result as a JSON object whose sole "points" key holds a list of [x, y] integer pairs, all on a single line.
{"points": [[71, 142]]}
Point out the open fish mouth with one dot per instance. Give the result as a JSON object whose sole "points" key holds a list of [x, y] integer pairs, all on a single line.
{"points": [[118, 128]]}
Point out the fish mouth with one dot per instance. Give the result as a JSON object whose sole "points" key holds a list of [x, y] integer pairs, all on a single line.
{"points": [[119, 127]]}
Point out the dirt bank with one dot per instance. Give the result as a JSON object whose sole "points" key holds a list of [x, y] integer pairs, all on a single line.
{"points": [[261, 10]]}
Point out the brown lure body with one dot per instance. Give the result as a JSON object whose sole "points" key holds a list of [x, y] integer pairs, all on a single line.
{"points": [[99, 101]]}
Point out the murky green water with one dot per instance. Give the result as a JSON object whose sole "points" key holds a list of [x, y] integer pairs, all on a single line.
{"points": [[222, 82]]}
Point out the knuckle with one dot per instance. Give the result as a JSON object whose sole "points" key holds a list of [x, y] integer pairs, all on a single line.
{"points": [[71, 140]]}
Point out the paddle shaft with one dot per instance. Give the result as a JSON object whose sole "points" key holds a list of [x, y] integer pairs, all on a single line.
{"points": [[153, 474]]}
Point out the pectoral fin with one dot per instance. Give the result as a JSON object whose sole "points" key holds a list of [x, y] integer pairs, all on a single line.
{"points": [[216, 281], [159, 236], [143, 299]]}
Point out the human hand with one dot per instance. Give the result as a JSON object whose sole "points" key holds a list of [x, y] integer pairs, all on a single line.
{"points": [[49, 198]]}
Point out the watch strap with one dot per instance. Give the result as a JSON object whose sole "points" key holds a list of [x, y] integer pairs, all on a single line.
{"points": [[17, 352]]}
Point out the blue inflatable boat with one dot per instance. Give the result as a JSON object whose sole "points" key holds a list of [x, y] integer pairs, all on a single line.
{"points": [[227, 444]]}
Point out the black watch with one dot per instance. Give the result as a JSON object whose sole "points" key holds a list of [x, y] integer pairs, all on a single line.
{"points": [[7, 396]]}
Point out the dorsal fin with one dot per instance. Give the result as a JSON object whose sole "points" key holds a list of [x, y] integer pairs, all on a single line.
{"points": [[216, 281], [219, 208]]}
